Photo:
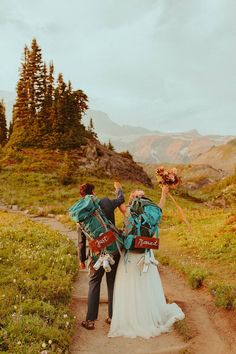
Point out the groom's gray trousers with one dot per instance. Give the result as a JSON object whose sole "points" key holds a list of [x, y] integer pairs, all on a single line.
{"points": [[94, 290]]}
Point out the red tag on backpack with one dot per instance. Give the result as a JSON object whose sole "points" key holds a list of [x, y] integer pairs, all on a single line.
{"points": [[102, 241], [146, 242]]}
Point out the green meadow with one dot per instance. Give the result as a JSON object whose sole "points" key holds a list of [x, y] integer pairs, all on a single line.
{"points": [[206, 255], [37, 267]]}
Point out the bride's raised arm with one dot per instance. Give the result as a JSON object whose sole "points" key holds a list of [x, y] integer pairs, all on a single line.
{"points": [[164, 192]]}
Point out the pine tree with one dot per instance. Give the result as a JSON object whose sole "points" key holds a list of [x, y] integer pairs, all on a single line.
{"points": [[10, 130], [61, 104], [82, 102], [110, 146], [46, 115], [50, 86], [3, 124], [36, 79], [68, 106], [30, 95], [49, 97], [91, 128], [21, 109]]}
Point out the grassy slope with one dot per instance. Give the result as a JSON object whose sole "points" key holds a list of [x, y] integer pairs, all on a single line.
{"points": [[37, 266], [226, 188], [221, 156], [208, 253]]}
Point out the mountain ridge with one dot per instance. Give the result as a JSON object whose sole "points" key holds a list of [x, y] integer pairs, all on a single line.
{"points": [[144, 144], [153, 146], [221, 157]]}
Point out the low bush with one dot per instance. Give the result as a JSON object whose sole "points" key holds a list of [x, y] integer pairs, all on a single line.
{"points": [[126, 154], [225, 296], [183, 329], [196, 278], [67, 171]]}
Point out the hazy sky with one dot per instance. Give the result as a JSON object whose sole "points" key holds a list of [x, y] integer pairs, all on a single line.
{"points": [[169, 65]]}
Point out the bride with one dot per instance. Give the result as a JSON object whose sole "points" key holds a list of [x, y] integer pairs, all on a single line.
{"points": [[139, 305]]}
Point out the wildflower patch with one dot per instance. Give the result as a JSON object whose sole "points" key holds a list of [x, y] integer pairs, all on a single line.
{"points": [[37, 267]]}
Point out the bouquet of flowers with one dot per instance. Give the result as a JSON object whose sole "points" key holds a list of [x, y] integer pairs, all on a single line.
{"points": [[169, 178]]}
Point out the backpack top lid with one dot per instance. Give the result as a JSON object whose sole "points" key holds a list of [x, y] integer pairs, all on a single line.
{"points": [[144, 212], [83, 208], [139, 206]]}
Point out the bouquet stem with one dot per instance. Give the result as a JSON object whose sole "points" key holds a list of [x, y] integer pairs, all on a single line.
{"points": [[180, 210]]}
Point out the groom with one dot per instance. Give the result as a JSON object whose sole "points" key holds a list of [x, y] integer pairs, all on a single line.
{"points": [[108, 206]]}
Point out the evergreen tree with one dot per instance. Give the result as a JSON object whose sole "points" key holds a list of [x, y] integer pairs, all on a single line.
{"points": [[62, 95], [50, 84], [3, 124], [46, 115], [30, 95], [36, 79], [10, 129], [68, 106], [110, 146], [91, 128], [81, 101], [21, 120]]}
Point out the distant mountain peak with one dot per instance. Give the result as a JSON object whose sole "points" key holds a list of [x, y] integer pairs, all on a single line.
{"points": [[104, 126], [153, 146], [193, 132]]}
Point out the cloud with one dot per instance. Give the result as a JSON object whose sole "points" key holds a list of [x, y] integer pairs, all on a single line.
{"points": [[142, 62]]}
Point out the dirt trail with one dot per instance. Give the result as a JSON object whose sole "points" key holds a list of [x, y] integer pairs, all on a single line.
{"points": [[214, 330]]}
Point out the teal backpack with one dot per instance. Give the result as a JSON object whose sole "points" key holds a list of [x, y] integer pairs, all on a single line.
{"points": [[143, 219], [93, 222]]}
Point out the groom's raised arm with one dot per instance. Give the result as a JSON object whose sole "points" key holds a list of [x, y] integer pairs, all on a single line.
{"points": [[120, 199]]}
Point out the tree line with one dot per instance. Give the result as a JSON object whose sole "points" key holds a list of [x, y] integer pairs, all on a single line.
{"points": [[47, 113]]}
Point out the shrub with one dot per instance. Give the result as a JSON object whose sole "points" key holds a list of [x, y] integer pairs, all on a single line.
{"points": [[67, 171], [99, 152], [109, 145], [183, 329], [13, 156], [196, 278], [126, 154], [164, 260], [225, 296]]}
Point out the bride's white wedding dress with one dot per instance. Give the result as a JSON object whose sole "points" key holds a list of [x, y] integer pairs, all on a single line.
{"points": [[139, 305]]}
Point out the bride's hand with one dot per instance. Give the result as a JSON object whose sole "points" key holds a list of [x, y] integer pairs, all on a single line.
{"points": [[165, 189]]}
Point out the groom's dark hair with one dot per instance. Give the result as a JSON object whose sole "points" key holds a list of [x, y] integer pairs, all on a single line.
{"points": [[86, 188]]}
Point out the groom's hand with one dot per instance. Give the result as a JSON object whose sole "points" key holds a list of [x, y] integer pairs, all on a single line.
{"points": [[117, 185]]}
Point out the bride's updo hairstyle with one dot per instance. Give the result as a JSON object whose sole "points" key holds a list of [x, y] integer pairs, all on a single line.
{"points": [[138, 193]]}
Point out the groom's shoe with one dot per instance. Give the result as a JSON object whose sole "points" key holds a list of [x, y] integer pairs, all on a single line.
{"points": [[88, 324], [82, 265]]}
